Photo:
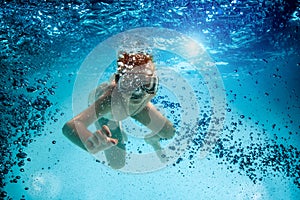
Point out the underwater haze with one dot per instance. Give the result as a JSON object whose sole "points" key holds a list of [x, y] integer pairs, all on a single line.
{"points": [[252, 44]]}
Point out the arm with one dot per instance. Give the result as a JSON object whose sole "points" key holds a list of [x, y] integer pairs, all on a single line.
{"points": [[76, 129], [155, 121], [161, 128]]}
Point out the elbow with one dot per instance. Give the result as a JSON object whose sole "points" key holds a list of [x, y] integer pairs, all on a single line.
{"points": [[168, 131], [68, 128], [171, 133]]}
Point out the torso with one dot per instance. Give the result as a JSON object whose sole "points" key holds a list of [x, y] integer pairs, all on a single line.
{"points": [[121, 107]]}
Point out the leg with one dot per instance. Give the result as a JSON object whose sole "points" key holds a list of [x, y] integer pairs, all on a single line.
{"points": [[116, 154]]}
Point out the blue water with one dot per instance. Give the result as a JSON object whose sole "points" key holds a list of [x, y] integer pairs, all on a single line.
{"points": [[255, 48]]}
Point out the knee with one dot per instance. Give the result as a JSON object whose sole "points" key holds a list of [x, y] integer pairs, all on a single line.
{"points": [[115, 157], [117, 165]]}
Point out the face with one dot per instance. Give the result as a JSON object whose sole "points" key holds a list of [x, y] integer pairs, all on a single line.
{"points": [[139, 83]]}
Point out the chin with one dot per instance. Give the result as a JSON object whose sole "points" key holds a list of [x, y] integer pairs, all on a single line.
{"points": [[135, 101]]}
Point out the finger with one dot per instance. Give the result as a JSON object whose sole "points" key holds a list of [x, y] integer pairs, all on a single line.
{"points": [[113, 141], [101, 137], [106, 131], [89, 143], [92, 142]]}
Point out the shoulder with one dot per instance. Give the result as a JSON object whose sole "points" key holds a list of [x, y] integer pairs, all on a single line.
{"points": [[103, 89]]}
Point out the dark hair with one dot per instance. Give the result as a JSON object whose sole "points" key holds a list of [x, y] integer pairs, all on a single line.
{"points": [[127, 61]]}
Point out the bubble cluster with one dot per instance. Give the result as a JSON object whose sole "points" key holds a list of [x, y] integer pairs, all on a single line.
{"points": [[25, 103], [260, 159], [259, 149]]}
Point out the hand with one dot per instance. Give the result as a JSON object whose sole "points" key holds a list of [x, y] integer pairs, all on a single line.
{"points": [[153, 140], [100, 140]]}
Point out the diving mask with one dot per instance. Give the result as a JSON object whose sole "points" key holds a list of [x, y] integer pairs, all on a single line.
{"points": [[136, 84]]}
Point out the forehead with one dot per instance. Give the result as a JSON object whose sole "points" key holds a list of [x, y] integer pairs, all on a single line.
{"points": [[147, 68]]}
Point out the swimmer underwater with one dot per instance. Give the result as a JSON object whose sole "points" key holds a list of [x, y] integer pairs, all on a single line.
{"points": [[128, 94]]}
